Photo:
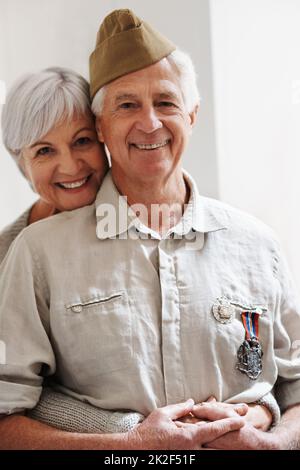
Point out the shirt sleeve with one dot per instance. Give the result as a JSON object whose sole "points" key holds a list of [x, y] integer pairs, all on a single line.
{"points": [[287, 339], [25, 348]]}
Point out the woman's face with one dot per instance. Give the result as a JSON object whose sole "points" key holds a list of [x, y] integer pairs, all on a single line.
{"points": [[67, 165]]}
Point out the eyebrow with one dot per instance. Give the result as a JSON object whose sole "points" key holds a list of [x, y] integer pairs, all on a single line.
{"points": [[40, 143], [83, 129], [49, 143], [162, 96], [126, 96], [167, 95]]}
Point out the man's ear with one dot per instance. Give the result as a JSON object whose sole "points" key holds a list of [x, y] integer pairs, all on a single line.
{"points": [[193, 115], [98, 129]]}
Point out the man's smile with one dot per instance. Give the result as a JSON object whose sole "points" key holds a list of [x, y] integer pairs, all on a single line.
{"points": [[151, 146]]}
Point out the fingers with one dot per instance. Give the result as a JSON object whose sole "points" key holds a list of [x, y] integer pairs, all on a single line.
{"points": [[190, 419], [178, 410], [211, 399], [241, 409], [212, 413], [214, 410], [208, 432], [181, 424]]}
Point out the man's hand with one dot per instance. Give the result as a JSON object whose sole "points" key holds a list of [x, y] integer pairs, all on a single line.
{"points": [[247, 438], [162, 430]]}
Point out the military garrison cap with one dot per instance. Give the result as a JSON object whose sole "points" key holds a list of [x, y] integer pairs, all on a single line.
{"points": [[124, 44]]}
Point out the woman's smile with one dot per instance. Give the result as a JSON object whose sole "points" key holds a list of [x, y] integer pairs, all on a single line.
{"points": [[78, 184]]}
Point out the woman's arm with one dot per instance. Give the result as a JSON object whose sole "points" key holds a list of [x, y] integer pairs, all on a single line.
{"points": [[22, 433], [158, 431], [69, 414]]}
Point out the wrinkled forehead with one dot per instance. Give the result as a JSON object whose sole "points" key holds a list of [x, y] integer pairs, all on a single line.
{"points": [[157, 79]]}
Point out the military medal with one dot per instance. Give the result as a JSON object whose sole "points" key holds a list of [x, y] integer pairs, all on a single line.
{"points": [[250, 352], [222, 310]]}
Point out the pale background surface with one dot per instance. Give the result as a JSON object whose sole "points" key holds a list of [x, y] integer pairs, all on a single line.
{"points": [[245, 147]]}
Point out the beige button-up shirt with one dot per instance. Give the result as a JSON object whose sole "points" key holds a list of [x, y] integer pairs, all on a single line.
{"points": [[124, 319]]}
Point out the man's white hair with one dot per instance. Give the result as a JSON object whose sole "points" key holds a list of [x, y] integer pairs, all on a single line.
{"points": [[37, 103], [184, 66]]}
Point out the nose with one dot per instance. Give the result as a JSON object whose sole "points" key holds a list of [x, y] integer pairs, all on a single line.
{"points": [[148, 121], [69, 163]]}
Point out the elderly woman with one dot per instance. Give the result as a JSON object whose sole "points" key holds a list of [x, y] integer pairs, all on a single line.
{"points": [[48, 128]]}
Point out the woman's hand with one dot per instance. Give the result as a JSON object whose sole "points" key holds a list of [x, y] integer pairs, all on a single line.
{"points": [[211, 410], [256, 415], [259, 416]]}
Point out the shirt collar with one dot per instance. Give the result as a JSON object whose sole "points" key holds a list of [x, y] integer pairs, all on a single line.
{"points": [[115, 217], [200, 215]]}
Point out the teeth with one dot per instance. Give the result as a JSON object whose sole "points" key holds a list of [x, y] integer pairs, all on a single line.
{"points": [[74, 185], [151, 146]]}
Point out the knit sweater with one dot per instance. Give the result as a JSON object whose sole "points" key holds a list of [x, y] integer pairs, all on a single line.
{"points": [[10, 232], [59, 410]]}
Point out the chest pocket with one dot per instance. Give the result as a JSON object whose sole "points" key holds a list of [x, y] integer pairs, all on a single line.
{"points": [[98, 332]]}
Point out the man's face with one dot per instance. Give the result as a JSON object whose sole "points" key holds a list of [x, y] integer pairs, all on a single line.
{"points": [[144, 123]]}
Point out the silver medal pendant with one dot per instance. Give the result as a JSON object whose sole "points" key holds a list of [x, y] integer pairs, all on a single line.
{"points": [[222, 310], [250, 358]]}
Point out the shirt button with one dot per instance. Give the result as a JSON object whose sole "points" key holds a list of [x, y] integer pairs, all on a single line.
{"points": [[77, 308]]}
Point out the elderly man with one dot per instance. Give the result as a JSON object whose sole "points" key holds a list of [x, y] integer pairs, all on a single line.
{"points": [[155, 294], [222, 303]]}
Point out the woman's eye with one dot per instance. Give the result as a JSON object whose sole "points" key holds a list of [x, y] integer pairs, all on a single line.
{"points": [[44, 151], [83, 141]]}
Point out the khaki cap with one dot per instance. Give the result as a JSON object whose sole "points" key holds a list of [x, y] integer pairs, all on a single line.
{"points": [[124, 44]]}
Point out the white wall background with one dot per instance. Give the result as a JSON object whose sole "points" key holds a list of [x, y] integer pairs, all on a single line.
{"points": [[256, 61], [245, 148]]}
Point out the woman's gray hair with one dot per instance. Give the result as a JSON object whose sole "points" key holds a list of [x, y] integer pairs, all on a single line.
{"points": [[184, 66], [37, 103]]}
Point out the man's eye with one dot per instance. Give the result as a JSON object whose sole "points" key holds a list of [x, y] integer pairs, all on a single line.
{"points": [[83, 141], [44, 151], [127, 105], [167, 104]]}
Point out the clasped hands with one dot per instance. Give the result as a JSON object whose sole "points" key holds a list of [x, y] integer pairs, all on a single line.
{"points": [[257, 420], [207, 425]]}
